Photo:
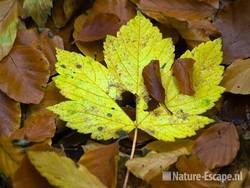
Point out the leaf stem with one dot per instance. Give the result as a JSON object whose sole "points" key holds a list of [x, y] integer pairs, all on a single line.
{"points": [[131, 157]]}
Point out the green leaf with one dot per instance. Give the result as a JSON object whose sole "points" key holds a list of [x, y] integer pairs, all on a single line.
{"points": [[8, 25], [92, 88], [62, 172], [39, 10]]}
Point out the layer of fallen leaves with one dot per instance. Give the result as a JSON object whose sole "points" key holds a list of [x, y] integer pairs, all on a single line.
{"points": [[34, 143]]}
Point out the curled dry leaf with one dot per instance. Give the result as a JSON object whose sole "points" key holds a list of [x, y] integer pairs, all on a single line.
{"points": [[23, 74], [189, 17], [183, 71], [37, 127], [233, 22], [39, 10], [237, 76], [10, 115], [42, 40], [152, 80], [8, 25], [153, 164], [102, 162], [218, 145], [27, 176], [10, 156], [190, 165], [62, 172]]}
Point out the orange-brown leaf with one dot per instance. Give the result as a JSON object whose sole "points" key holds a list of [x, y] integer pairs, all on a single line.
{"points": [[183, 71], [23, 74], [10, 115], [102, 162], [97, 28], [152, 80], [218, 145]]}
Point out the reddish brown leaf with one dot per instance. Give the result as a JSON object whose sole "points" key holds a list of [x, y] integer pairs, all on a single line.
{"points": [[10, 115], [23, 74], [218, 145], [183, 71], [102, 162], [233, 22], [98, 27], [27, 176], [44, 41], [122, 9], [152, 80], [37, 127], [189, 17]]}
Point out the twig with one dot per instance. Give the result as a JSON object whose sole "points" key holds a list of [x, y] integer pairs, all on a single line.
{"points": [[131, 157]]}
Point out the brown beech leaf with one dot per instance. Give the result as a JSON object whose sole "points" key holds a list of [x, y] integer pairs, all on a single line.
{"points": [[102, 162], [189, 17], [161, 146], [10, 115], [27, 176], [10, 156], [218, 145], [98, 27], [153, 163], [233, 22], [183, 71], [37, 127], [124, 10], [51, 97], [64, 10], [190, 165], [23, 74], [152, 80], [236, 77], [44, 41]]}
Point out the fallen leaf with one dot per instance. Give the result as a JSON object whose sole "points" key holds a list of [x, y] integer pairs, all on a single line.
{"points": [[189, 17], [236, 77], [10, 156], [102, 162], [160, 146], [8, 25], [39, 10], [190, 165], [124, 10], [31, 70], [10, 115], [27, 176], [153, 164], [183, 72], [52, 96], [152, 80], [44, 41], [98, 112], [64, 10], [98, 27], [62, 172], [233, 23], [38, 127], [218, 145]]}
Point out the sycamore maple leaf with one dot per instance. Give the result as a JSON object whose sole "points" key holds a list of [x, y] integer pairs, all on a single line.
{"points": [[93, 89]]}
